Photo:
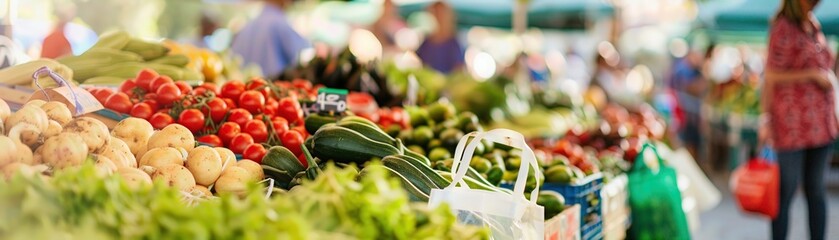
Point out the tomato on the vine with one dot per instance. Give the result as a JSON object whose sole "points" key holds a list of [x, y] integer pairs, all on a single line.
{"points": [[212, 87], [232, 89], [302, 130], [142, 110], [152, 103], [255, 83], [290, 109], [159, 81], [302, 84], [128, 86], [102, 94], [252, 101], [302, 158], [254, 152], [185, 87], [280, 126], [168, 93], [239, 116], [240, 142], [211, 140], [144, 78], [230, 103], [192, 119], [119, 102], [257, 129], [292, 140], [160, 120], [218, 108], [228, 130]]}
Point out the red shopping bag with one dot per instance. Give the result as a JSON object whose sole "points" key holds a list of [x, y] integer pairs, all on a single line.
{"points": [[756, 185]]}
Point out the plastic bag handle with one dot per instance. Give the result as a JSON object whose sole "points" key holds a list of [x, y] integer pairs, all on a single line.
{"points": [[767, 154], [463, 155], [639, 160], [61, 83]]}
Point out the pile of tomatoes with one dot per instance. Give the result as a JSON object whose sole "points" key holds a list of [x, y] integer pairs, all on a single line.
{"points": [[245, 117]]}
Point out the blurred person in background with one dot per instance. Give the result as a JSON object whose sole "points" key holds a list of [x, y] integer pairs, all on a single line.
{"points": [[798, 106], [56, 44], [440, 50], [689, 85], [269, 41], [387, 25]]}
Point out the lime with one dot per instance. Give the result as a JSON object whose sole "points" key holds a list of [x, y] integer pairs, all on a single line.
{"points": [[417, 149], [480, 164], [407, 136], [393, 130], [422, 135], [466, 118], [559, 174], [419, 116], [450, 137], [435, 143], [438, 154], [510, 176], [513, 163], [439, 112], [488, 145]]}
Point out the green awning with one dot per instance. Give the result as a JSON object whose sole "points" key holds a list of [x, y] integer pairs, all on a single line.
{"points": [[554, 14], [755, 15]]}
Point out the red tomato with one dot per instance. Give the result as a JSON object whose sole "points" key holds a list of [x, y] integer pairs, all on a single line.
{"points": [[302, 130], [192, 119], [218, 108], [168, 93], [230, 103], [211, 140], [302, 84], [185, 87], [150, 96], [254, 152], [142, 110], [102, 94], [293, 140], [240, 142], [255, 83], [232, 89], [240, 116], [159, 81], [152, 103], [290, 109], [145, 77], [211, 87], [280, 126], [160, 120], [128, 86], [199, 91], [257, 129], [252, 101], [119, 102], [163, 110], [302, 159], [228, 130], [270, 109]]}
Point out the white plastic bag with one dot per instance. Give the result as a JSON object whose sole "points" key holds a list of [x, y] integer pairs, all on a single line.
{"points": [[508, 216], [705, 194]]}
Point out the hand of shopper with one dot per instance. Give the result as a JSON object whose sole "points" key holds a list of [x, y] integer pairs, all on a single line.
{"points": [[824, 78], [764, 132]]}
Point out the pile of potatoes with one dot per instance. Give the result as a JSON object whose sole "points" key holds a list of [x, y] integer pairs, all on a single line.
{"points": [[133, 150]]}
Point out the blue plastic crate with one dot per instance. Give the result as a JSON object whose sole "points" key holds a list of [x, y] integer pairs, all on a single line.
{"points": [[580, 193]]}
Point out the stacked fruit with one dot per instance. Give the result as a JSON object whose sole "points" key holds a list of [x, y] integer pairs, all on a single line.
{"points": [[117, 56]]}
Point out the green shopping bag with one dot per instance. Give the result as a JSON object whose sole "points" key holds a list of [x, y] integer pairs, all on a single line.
{"points": [[655, 201]]}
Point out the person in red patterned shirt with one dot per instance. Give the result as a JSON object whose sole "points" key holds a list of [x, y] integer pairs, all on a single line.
{"points": [[798, 105]]}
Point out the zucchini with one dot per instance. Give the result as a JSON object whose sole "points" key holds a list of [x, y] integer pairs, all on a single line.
{"points": [[344, 145], [474, 174], [413, 192], [281, 158], [359, 120], [373, 132], [474, 184], [281, 178], [414, 175], [426, 170], [315, 122], [416, 156]]}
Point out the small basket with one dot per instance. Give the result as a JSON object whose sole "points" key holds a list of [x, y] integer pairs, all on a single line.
{"points": [[585, 193]]}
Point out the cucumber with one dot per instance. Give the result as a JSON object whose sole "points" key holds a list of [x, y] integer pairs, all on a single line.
{"points": [[474, 184], [374, 133], [344, 145], [418, 178], [281, 178], [426, 170], [314, 122], [281, 158], [414, 193]]}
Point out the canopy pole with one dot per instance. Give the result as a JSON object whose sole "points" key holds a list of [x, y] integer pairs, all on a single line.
{"points": [[520, 16]]}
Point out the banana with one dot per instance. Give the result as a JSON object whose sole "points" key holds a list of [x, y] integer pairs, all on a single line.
{"points": [[148, 50]]}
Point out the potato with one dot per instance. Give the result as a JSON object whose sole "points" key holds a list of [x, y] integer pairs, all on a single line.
{"points": [[228, 158], [173, 135], [22, 151], [8, 150], [93, 132], [5, 111], [58, 112], [175, 176], [32, 115], [135, 132], [64, 150], [37, 156], [254, 169], [120, 154], [133, 177], [200, 191], [35, 103], [53, 128], [233, 180], [104, 166], [205, 164], [159, 157], [26, 170]]}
